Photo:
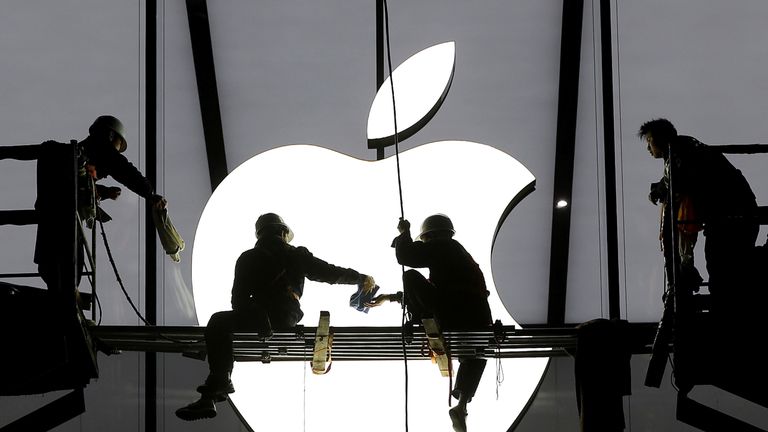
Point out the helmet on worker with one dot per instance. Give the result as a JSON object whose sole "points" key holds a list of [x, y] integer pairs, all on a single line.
{"points": [[112, 129], [271, 223], [437, 225]]}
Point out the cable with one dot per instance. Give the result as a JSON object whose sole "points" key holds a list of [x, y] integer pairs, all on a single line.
{"points": [[394, 108], [305, 360], [128, 297], [400, 193], [101, 311], [117, 275]]}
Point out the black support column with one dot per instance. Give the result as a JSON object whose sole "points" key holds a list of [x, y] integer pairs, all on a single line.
{"points": [[207, 91], [381, 73], [150, 130], [612, 240], [567, 105]]}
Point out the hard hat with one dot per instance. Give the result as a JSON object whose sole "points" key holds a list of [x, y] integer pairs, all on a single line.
{"points": [[436, 222], [271, 219], [108, 122]]}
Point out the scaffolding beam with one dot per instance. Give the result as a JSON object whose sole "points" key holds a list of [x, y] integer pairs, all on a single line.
{"points": [[361, 343]]}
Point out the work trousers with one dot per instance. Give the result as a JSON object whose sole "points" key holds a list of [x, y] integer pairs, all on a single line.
{"points": [[729, 250], [253, 318], [452, 310]]}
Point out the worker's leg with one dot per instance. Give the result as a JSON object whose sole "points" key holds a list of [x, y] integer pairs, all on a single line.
{"points": [[728, 250], [218, 342], [420, 295], [467, 380]]}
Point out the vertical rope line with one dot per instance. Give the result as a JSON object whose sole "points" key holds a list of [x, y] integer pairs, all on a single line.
{"points": [[394, 109], [138, 212], [400, 193], [597, 164], [138, 142], [162, 262], [304, 396]]}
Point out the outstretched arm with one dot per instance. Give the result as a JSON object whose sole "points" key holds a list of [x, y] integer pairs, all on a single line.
{"points": [[383, 298], [22, 152], [321, 271]]}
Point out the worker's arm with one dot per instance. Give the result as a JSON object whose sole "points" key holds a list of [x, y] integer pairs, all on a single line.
{"points": [[411, 253], [122, 170], [321, 271], [383, 298], [408, 252], [254, 273], [21, 152]]}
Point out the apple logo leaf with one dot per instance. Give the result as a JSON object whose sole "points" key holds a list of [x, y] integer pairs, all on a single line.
{"points": [[421, 84]]}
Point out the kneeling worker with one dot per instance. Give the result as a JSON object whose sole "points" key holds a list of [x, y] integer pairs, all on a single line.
{"points": [[268, 283], [455, 295]]}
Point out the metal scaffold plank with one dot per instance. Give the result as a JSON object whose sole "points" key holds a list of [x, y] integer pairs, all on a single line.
{"points": [[359, 343]]}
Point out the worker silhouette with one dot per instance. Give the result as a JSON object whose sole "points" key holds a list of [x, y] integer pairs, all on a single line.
{"points": [[60, 169], [268, 283], [709, 194], [455, 295]]}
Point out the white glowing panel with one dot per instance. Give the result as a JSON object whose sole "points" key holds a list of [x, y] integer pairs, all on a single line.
{"points": [[420, 83], [345, 210]]}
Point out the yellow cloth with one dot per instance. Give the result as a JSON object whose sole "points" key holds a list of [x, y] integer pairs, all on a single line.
{"points": [[172, 242]]}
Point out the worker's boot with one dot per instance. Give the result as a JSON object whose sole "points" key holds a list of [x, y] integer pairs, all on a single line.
{"points": [[203, 408], [217, 387], [458, 416]]}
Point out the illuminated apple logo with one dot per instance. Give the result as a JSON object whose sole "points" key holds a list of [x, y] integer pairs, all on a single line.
{"points": [[345, 211]]}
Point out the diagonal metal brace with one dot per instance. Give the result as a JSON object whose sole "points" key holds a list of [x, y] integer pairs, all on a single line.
{"points": [[51, 415]]}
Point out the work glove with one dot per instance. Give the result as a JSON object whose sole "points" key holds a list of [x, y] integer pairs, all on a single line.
{"points": [[403, 226], [158, 201], [111, 192], [383, 298], [367, 283], [658, 192]]}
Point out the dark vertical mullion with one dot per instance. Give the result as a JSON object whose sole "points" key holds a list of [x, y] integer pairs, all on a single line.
{"points": [[207, 90], [150, 130], [567, 105], [612, 240], [380, 54]]}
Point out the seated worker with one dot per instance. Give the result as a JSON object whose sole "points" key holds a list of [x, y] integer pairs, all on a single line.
{"points": [[98, 155], [268, 283], [455, 295], [708, 190]]}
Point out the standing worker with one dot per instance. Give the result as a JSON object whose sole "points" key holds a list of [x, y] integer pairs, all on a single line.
{"points": [[712, 194], [268, 283], [97, 156], [455, 295]]}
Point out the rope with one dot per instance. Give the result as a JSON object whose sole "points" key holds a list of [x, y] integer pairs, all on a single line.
{"points": [[304, 394], [400, 194], [117, 275], [499, 370], [128, 297], [394, 109]]}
